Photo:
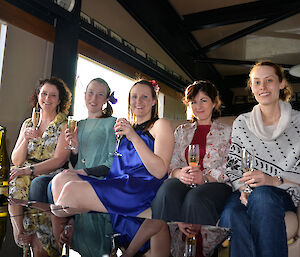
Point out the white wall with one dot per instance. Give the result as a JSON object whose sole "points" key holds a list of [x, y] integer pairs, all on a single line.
{"points": [[27, 59]]}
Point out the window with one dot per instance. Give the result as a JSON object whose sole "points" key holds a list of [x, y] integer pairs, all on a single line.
{"points": [[87, 70], [3, 29]]}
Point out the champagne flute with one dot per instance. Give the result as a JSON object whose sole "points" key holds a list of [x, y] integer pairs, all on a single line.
{"points": [[247, 163], [36, 118], [116, 153], [65, 248], [114, 248], [193, 158], [190, 246], [72, 124]]}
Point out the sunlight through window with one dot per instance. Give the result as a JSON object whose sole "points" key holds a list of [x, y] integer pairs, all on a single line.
{"points": [[87, 70]]}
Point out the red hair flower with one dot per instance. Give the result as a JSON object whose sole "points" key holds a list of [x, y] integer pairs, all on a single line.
{"points": [[154, 85]]}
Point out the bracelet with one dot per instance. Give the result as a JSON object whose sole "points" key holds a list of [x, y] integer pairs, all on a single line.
{"points": [[280, 179], [32, 171], [205, 179]]}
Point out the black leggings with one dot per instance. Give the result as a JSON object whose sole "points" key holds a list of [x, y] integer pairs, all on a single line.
{"points": [[203, 205]]}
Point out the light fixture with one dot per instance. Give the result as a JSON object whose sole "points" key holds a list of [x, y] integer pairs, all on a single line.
{"points": [[295, 71], [66, 4]]}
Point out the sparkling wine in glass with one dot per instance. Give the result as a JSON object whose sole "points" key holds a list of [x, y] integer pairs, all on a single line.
{"points": [[190, 246], [116, 153], [36, 118], [247, 163], [72, 124], [193, 158]]}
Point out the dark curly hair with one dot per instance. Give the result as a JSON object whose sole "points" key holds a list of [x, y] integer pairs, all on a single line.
{"points": [[65, 94], [209, 89]]}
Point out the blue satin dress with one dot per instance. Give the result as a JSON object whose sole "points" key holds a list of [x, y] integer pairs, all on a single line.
{"points": [[128, 189]]}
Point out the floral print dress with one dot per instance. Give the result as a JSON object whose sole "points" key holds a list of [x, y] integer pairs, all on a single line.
{"points": [[39, 149]]}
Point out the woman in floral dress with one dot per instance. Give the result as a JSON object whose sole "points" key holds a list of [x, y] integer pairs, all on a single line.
{"points": [[39, 151]]}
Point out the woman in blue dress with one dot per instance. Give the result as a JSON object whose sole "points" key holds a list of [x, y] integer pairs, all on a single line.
{"points": [[134, 178]]}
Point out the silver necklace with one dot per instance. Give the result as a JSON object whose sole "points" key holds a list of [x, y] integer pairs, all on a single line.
{"points": [[87, 141]]}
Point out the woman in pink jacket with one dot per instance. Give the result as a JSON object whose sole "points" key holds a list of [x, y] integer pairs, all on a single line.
{"points": [[203, 203]]}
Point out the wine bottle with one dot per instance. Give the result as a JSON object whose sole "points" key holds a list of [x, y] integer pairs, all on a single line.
{"points": [[3, 221], [4, 165], [4, 174]]}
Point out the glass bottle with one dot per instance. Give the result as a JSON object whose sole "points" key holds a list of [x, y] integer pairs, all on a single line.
{"points": [[4, 164], [4, 175]]}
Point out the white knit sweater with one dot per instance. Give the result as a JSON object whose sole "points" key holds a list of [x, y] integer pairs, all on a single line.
{"points": [[279, 156]]}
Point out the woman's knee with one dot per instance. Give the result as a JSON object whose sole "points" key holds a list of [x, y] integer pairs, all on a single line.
{"points": [[263, 196], [168, 190], [233, 211]]}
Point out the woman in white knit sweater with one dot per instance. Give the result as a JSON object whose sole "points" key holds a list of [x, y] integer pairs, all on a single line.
{"points": [[271, 132]]}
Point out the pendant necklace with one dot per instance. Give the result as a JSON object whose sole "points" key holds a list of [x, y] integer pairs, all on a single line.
{"points": [[87, 141]]}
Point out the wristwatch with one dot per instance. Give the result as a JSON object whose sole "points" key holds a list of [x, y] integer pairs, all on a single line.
{"points": [[280, 179], [32, 171]]}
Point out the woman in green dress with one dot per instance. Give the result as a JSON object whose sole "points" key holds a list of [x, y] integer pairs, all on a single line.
{"points": [[95, 141]]}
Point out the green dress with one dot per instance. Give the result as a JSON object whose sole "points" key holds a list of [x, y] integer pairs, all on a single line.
{"points": [[96, 142]]}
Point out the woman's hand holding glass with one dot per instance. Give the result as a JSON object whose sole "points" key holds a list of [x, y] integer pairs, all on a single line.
{"points": [[257, 178], [189, 175], [30, 133], [72, 126], [124, 128], [71, 136], [189, 229]]}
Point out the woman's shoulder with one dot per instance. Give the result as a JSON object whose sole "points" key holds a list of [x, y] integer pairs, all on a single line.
{"points": [[295, 116], [109, 120], [221, 125], [162, 122], [162, 125], [242, 118], [186, 125]]}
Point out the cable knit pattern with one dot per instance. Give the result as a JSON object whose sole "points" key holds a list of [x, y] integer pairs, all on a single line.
{"points": [[217, 148], [274, 157]]}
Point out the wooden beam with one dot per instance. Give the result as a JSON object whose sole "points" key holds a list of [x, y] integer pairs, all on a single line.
{"points": [[17, 17]]}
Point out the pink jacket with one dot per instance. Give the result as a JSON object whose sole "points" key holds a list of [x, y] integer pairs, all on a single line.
{"points": [[217, 148]]}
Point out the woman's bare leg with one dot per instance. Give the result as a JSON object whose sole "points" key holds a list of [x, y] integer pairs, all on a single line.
{"points": [[158, 231], [80, 197], [37, 247], [161, 241], [16, 214], [59, 182]]}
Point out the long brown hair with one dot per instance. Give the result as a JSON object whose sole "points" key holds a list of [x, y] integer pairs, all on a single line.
{"points": [[154, 110], [285, 93]]}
